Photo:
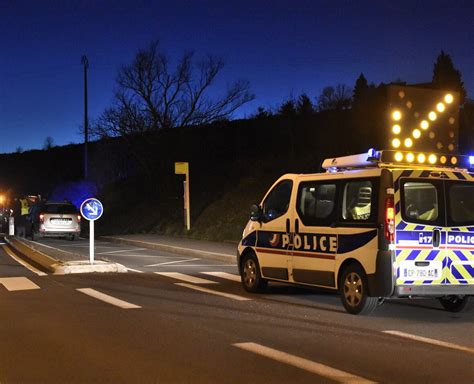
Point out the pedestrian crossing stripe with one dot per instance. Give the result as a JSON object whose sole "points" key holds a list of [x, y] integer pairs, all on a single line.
{"points": [[18, 284]]}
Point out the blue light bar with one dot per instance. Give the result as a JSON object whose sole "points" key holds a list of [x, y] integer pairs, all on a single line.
{"points": [[373, 154], [471, 160]]}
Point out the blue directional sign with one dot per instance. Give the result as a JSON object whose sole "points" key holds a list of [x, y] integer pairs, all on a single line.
{"points": [[91, 209]]}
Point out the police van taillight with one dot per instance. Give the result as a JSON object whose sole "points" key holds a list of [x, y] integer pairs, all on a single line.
{"points": [[389, 219], [41, 218]]}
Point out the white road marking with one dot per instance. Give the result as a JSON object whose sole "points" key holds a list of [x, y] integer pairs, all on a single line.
{"points": [[305, 364], [171, 262], [224, 275], [107, 299], [430, 341], [18, 283], [212, 292], [22, 262], [134, 270], [187, 278], [137, 256], [205, 265], [172, 246], [121, 251]]}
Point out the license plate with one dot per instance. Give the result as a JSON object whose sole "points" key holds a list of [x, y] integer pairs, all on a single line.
{"points": [[61, 221], [410, 271]]}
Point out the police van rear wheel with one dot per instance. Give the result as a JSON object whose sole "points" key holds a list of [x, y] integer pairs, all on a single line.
{"points": [[454, 303], [250, 274], [354, 291]]}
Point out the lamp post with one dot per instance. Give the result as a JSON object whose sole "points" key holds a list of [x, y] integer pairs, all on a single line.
{"points": [[85, 63]]}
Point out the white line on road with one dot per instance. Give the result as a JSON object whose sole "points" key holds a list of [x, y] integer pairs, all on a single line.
{"points": [[174, 247], [138, 256], [107, 299], [305, 364], [121, 251], [204, 265], [171, 262], [224, 275], [134, 270], [212, 292], [187, 278], [18, 283], [22, 262], [430, 341]]}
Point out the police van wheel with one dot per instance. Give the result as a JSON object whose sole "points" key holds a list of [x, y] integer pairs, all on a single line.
{"points": [[454, 303], [354, 291], [250, 275]]}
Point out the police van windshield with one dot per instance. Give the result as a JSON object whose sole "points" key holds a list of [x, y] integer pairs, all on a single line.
{"points": [[424, 202]]}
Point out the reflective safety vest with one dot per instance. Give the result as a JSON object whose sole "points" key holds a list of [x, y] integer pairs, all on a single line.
{"points": [[24, 206]]}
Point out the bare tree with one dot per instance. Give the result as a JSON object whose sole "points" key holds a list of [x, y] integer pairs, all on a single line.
{"points": [[151, 95], [335, 98], [48, 143]]}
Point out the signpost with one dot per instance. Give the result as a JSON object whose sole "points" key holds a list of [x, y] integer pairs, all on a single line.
{"points": [[183, 169], [91, 209]]}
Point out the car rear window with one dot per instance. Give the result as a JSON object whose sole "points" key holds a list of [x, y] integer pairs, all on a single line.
{"points": [[461, 203], [60, 208]]}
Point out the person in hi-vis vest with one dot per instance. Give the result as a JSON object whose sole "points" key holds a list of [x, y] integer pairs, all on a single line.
{"points": [[20, 220]]}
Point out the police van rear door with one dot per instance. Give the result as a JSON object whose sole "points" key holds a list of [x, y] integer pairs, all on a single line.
{"points": [[460, 233], [434, 228]]}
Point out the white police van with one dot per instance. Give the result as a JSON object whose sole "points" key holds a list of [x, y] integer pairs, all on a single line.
{"points": [[373, 226]]}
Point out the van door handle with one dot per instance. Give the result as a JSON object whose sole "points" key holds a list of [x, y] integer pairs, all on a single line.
{"points": [[436, 237], [297, 226]]}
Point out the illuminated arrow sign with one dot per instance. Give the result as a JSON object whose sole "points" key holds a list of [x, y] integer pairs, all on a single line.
{"points": [[92, 209]]}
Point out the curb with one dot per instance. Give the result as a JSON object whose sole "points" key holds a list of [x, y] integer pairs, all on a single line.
{"points": [[172, 249], [61, 267], [37, 257]]}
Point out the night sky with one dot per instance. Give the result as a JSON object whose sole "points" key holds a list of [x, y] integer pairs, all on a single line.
{"points": [[283, 48]]}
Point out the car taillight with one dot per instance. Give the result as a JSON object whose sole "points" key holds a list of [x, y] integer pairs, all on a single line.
{"points": [[41, 217], [389, 219], [78, 218]]}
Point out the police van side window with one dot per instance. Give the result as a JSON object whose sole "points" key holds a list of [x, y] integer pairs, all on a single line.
{"points": [[277, 202], [316, 202], [421, 202], [357, 200]]}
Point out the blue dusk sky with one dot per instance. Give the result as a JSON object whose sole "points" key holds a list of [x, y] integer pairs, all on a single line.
{"points": [[282, 47]]}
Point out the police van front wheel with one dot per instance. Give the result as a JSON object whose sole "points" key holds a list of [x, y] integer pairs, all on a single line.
{"points": [[454, 303], [354, 291], [250, 273]]}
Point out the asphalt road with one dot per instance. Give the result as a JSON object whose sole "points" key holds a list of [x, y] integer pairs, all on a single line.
{"points": [[182, 320]]}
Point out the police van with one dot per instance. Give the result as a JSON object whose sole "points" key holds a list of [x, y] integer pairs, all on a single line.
{"points": [[383, 224]]}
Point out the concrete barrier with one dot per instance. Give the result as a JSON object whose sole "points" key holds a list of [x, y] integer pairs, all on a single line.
{"points": [[56, 265]]}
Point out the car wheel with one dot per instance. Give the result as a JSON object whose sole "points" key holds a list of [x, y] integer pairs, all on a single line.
{"points": [[250, 274], [354, 291], [454, 303]]}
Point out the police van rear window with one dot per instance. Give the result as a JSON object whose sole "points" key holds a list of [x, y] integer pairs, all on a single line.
{"points": [[421, 202], [438, 202], [460, 203]]}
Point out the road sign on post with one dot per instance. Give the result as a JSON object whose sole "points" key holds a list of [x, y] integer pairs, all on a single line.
{"points": [[182, 168], [91, 209]]}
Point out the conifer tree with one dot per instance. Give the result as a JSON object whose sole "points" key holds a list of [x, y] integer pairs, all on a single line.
{"points": [[446, 76]]}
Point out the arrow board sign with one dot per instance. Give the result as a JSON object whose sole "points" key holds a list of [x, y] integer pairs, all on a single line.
{"points": [[91, 209]]}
